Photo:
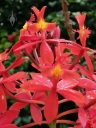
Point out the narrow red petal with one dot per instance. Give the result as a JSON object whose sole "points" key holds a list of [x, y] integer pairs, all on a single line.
{"points": [[46, 53], [74, 96], [89, 63], [3, 103], [11, 86], [42, 11], [24, 95], [40, 96], [84, 71], [41, 79], [36, 11], [8, 117], [81, 19], [15, 46], [29, 38], [87, 84], [36, 113], [16, 63], [34, 85], [16, 76], [8, 126], [51, 107], [2, 68], [75, 49], [26, 46], [83, 118], [71, 75], [18, 106], [66, 84]]}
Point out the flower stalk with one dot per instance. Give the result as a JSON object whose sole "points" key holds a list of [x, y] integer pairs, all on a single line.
{"points": [[52, 125]]}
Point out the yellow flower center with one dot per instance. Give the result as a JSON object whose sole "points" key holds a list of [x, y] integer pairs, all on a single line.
{"points": [[25, 26], [57, 71], [41, 24]]}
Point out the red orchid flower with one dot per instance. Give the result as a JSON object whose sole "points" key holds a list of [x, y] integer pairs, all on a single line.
{"points": [[80, 51], [41, 24], [83, 31], [28, 38], [48, 61], [64, 87]]}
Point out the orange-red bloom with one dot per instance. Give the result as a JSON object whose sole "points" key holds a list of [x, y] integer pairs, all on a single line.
{"points": [[41, 23], [83, 31]]}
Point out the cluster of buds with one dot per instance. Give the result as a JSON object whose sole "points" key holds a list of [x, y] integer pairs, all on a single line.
{"points": [[59, 72]]}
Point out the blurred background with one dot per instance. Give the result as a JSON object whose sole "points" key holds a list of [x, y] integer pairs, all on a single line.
{"points": [[14, 13]]}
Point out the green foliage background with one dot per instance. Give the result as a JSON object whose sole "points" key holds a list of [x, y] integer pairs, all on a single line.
{"points": [[22, 12]]}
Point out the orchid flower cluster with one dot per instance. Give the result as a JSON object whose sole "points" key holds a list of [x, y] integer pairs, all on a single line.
{"points": [[59, 72]]}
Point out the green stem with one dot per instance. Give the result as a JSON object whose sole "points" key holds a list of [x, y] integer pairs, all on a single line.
{"points": [[52, 125]]}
